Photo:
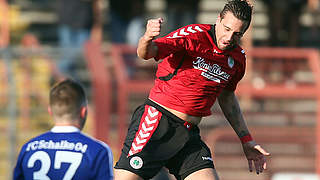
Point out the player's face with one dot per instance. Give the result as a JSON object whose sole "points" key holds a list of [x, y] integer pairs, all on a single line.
{"points": [[229, 31]]}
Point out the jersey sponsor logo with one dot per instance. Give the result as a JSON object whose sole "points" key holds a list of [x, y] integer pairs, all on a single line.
{"points": [[208, 76], [185, 32], [149, 123], [136, 162], [60, 145], [213, 72]]}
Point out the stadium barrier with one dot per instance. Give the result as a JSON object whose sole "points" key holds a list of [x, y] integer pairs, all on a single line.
{"points": [[101, 89], [126, 67], [303, 90], [300, 139], [282, 89]]}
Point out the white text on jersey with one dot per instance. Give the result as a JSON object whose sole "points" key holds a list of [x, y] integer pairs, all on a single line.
{"points": [[213, 70], [60, 145]]}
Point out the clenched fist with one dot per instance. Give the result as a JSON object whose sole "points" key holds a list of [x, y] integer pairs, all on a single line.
{"points": [[153, 28]]}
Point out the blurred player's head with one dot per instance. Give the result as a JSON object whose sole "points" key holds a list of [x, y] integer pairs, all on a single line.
{"points": [[232, 23], [68, 103]]}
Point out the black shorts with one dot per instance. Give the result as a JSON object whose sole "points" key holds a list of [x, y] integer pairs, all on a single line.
{"points": [[156, 138]]}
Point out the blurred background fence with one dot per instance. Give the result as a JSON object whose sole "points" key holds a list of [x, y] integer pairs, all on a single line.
{"points": [[279, 95]]}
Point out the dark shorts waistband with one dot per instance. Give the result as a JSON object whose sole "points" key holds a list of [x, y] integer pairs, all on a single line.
{"points": [[170, 114]]}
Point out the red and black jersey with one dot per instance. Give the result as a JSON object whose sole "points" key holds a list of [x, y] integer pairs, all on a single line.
{"points": [[194, 71]]}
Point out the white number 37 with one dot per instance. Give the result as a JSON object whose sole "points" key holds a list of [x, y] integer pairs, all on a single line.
{"points": [[74, 158]]}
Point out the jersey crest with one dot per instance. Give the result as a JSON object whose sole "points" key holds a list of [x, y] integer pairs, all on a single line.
{"points": [[230, 62]]}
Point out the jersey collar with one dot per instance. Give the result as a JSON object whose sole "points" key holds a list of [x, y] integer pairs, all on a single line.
{"points": [[213, 34], [64, 129]]}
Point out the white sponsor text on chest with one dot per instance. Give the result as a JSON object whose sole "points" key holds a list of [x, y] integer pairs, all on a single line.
{"points": [[210, 70]]}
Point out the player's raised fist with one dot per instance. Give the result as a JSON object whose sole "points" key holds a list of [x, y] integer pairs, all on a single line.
{"points": [[153, 28]]}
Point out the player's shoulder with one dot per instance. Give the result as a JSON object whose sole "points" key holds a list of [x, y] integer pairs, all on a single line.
{"points": [[239, 53], [36, 138], [40, 136], [191, 30], [197, 27], [96, 142]]}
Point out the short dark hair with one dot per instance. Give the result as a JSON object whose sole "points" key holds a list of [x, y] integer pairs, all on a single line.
{"points": [[241, 9], [67, 97]]}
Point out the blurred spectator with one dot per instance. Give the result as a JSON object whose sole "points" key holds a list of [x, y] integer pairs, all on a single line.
{"points": [[79, 21], [314, 7], [126, 19], [137, 23], [181, 13], [127, 26], [284, 26]]}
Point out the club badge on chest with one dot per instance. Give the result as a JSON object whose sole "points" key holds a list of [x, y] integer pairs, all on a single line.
{"points": [[230, 62]]}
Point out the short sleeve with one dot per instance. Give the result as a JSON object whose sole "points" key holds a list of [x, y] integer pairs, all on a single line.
{"points": [[169, 44], [104, 164]]}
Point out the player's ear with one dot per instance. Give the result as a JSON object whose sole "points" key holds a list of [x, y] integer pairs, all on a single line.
{"points": [[218, 19], [49, 110], [83, 111]]}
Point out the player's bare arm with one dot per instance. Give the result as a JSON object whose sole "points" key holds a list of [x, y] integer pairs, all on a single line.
{"points": [[255, 154], [231, 109], [146, 48]]}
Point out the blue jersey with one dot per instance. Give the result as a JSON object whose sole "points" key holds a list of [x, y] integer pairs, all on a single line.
{"points": [[64, 153]]}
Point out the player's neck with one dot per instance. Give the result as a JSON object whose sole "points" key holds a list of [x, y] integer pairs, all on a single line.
{"points": [[67, 124]]}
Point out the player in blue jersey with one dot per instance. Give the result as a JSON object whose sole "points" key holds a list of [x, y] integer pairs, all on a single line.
{"points": [[65, 152]]}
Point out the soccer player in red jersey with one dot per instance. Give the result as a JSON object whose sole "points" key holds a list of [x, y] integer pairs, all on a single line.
{"points": [[200, 63]]}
